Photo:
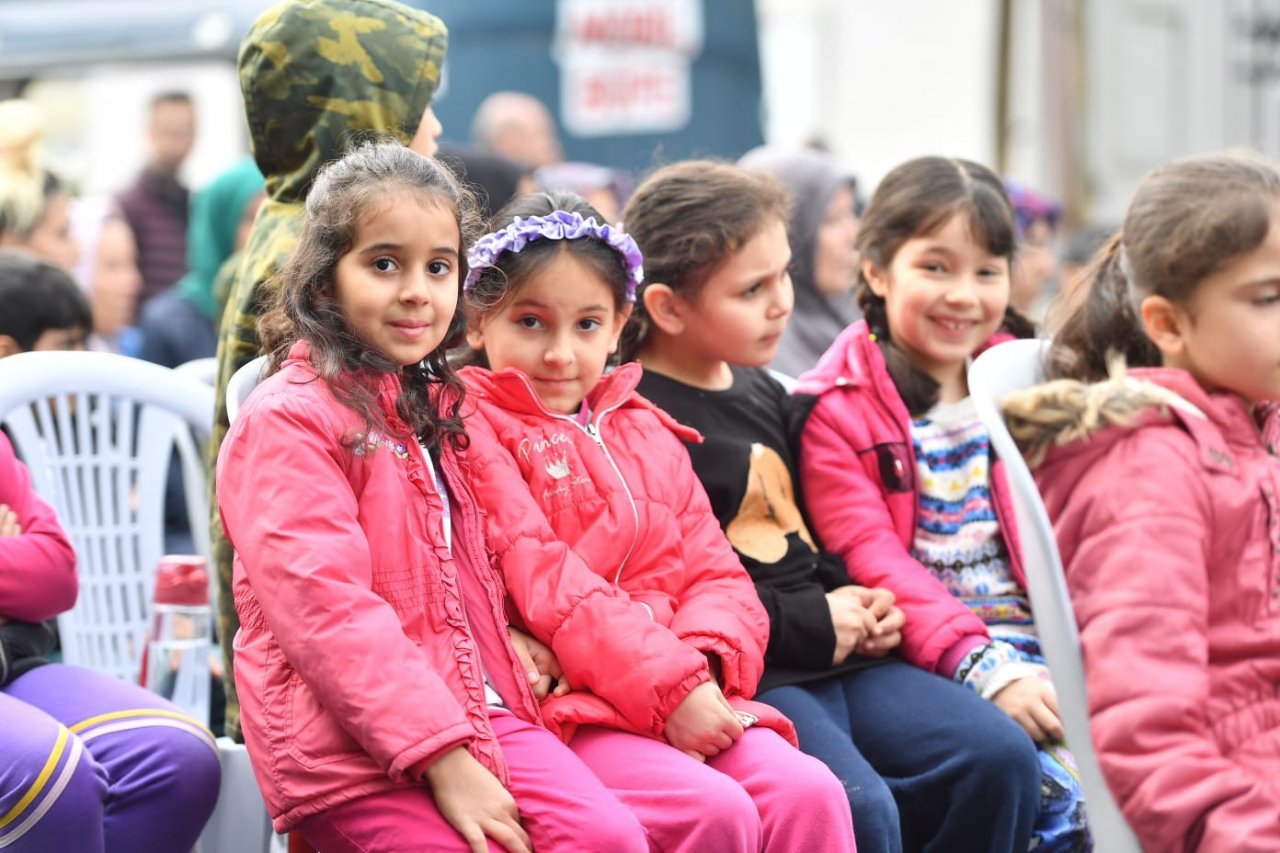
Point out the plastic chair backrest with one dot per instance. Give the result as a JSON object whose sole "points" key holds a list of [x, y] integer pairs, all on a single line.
{"points": [[194, 472], [203, 369], [97, 431], [997, 372], [242, 383]]}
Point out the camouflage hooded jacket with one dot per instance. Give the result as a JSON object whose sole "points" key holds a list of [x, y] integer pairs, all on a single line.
{"points": [[316, 76]]}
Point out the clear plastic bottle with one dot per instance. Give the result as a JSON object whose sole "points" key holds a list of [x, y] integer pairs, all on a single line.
{"points": [[176, 662]]}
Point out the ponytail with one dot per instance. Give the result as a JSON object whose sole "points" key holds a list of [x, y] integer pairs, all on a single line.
{"points": [[1105, 323]]}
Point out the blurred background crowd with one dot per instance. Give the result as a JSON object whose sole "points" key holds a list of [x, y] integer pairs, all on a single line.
{"points": [[135, 107]]}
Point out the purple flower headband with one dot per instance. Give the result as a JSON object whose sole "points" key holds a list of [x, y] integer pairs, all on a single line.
{"points": [[560, 225]]}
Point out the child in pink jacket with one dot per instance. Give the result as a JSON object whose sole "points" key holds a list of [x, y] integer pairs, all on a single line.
{"points": [[897, 469], [384, 705], [612, 556], [1164, 488]]}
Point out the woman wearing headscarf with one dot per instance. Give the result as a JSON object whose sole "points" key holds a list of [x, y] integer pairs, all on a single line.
{"points": [[821, 228]]}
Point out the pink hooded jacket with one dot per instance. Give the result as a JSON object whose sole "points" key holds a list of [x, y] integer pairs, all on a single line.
{"points": [[1169, 527], [858, 472], [361, 642], [611, 554]]}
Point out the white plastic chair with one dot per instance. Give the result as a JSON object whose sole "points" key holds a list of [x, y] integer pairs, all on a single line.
{"points": [[996, 373], [97, 431], [242, 383], [786, 380], [202, 369]]}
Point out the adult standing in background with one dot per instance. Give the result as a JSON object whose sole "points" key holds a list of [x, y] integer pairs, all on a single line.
{"points": [[518, 126], [155, 205], [821, 228], [286, 60], [181, 324]]}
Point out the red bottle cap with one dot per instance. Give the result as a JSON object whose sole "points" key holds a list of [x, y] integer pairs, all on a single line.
{"points": [[182, 579]]}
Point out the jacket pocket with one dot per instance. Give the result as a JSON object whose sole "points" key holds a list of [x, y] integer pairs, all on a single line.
{"points": [[891, 464], [315, 738]]}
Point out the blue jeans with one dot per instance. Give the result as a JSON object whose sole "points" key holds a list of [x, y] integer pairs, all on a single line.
{"points": [[927, 764]]}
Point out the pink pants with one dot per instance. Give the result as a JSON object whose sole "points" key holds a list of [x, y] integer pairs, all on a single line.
{"points": [[563, 807], [760, 794]]}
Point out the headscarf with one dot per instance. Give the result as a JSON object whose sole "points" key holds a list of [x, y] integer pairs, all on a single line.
{"points": [[216, 212]]}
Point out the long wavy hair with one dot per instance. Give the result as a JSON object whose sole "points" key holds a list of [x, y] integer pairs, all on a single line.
{"points": [[914, 200], [305, 305], [1188, 218]]}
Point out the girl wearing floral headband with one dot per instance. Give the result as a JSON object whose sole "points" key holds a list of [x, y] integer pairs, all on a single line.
{"points": [[611, 554]]}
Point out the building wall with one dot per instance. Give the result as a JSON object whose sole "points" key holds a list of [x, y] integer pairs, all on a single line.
{"points": [[881, 82]]}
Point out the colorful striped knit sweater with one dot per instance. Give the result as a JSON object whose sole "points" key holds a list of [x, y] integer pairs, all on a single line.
{"points": [[958, 540]]}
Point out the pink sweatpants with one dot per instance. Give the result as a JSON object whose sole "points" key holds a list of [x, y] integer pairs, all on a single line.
{"points": [[760, 794], [563, 807]]}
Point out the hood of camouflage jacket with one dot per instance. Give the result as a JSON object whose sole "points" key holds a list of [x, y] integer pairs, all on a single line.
{"points": [[317, 74]]}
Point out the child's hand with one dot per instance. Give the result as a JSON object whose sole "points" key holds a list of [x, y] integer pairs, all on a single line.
{"points": [[540, 664], [1033, 704], [704, 724], [887, 634], [475, 803], [851, 619], [9, 525]]}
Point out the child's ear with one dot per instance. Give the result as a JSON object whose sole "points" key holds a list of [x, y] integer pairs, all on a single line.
{"points": [[8, 346], [1165, 324], [475, 336], [620, 323], [876, 279], [666, 309]]}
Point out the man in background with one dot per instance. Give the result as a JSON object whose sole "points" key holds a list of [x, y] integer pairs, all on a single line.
{"points": [[517, 126], [155, 205]]}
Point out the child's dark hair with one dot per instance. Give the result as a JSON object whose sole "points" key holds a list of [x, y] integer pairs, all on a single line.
{"points": [[916, 199], [305, 307], [37, 296], [498, 283], [1187, 219], [688, 219]]}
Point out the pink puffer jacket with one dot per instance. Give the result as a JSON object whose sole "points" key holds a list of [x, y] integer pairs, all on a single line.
{"points": [[361, 642], [858, 472], [611, 554], [1169, 529]]}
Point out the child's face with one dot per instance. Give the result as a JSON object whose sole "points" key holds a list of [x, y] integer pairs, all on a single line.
{"points": [[1230, 329], [60, 340], [559, 329], [740, 313], [397, 286], [945, 295]]}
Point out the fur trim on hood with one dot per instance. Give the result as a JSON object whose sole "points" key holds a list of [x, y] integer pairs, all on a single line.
{"points": [[1065, 411]]}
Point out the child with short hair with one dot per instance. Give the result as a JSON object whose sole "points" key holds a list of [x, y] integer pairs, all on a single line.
{"points": [[611, 554], [898, 471], [385, 706], [716, 298], [41, 308], [1162, 485]]}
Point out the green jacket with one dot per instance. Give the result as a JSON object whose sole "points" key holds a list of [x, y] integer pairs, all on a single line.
{"points": [[316, 75]]}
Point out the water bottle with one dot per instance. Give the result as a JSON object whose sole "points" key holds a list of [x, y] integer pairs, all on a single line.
{"points": [[176, 661]]}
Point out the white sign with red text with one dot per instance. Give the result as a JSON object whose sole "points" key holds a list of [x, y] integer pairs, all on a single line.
{"points": [[625, 65]]}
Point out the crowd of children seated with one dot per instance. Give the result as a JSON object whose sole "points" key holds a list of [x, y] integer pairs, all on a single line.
{"points": [[522, 545]]}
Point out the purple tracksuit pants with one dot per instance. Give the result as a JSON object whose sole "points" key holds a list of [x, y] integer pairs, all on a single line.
{"points": [[90, 763]]}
